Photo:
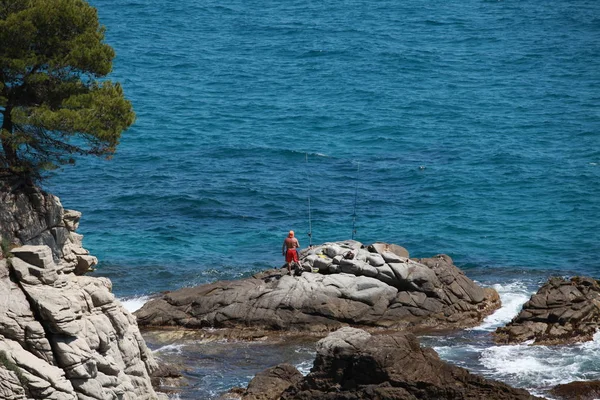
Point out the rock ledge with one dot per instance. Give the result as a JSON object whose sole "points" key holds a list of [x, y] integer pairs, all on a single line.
{"points": [[376, 288]]}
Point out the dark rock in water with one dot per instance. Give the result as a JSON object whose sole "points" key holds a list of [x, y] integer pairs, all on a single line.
{"points": [[577, 391], [561, 312], [269, 384], [353, 364], [167, 378], [369, 289]]}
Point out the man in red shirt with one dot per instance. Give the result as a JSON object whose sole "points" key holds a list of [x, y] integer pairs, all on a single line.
{"points": [[290, 244]]}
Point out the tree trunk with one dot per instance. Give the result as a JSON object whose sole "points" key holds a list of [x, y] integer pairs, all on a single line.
{"points": [[10, 153]]}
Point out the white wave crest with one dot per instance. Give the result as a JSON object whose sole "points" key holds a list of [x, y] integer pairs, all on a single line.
{"points": [[169, 348], [512, 295], [543, 366], [304, 367], [135, 303]]}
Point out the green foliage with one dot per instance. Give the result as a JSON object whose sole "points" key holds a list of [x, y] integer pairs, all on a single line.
{"points": [[54, 99], [5, 247], [11, 366]]}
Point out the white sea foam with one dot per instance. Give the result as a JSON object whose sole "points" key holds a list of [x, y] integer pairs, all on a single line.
{"points": [[134, 303], [170, 348], [513, 295], [304, 367], [593, 345], [513, 359], [544, 366]]}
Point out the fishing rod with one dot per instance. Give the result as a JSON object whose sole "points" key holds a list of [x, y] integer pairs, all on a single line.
{"points": [[309, 216], [355, 198]]}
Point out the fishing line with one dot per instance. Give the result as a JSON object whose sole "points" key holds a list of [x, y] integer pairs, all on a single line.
{"points": [[309, 216], [355, 198]]}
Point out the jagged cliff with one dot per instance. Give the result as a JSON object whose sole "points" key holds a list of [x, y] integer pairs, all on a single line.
{"points": [[30, 216], [63, 335]]}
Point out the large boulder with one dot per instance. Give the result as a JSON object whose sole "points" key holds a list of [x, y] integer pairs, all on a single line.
{"points": [[561, 312], [353, 364], [365, 289], [64, 336], [269, 384]]}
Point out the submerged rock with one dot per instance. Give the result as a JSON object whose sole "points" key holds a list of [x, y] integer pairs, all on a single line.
{"points": [[561, 312], [353, 364], [368, 287]]}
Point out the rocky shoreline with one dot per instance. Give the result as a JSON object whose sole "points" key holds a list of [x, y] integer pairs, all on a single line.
{"points": [[377, 288], [63, 335], [353, 364], [563, 311]]}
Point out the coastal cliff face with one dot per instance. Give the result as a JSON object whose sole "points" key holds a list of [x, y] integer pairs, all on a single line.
{"points": [[33, 217], [62, 335]]}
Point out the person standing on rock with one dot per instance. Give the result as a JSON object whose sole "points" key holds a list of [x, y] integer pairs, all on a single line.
{"points": [[290, 244]]}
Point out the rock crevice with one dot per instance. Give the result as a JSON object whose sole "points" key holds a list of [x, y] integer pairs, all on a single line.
{"points": [[34, 217]]}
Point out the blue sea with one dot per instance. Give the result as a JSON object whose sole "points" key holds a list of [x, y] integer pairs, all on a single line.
{"points": [[467, 128]]}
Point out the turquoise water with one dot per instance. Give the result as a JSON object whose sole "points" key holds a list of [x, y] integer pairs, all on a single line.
{"points": [[467, 128], [470, 129]]}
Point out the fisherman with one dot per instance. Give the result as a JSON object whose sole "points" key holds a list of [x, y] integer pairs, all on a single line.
{"points": [[290, 244]]}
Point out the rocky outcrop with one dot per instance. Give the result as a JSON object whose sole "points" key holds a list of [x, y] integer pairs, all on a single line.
{"points": [[580, 390], [561, 312], [270, 383], [64, 336], [167, 378], [34, 217], [353, 364], [372, 288]]}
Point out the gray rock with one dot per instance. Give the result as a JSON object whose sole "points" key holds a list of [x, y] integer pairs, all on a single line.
{"points": [[32, 275], [64, 336], [70, 338], [71, 219], [380, 248], [375, 260], [38, 256], [322, 263], [33, 217], [10, 386], [408, 294]]}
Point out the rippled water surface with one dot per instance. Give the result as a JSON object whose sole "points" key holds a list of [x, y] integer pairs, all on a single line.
{"points": [[467, 128]]}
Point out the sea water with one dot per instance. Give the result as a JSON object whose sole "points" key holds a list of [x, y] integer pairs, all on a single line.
{"points": [[467, 128]]}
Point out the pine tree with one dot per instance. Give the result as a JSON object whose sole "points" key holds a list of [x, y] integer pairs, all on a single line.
{"points": [[55, 101]]}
